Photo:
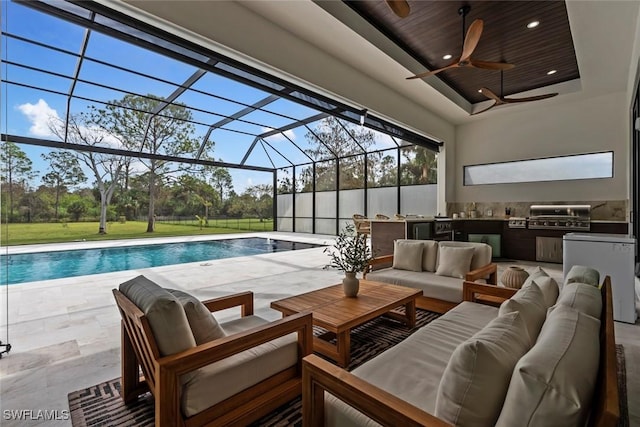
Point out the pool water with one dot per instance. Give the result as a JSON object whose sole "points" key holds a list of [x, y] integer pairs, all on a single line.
{"points": [[54, 265]]}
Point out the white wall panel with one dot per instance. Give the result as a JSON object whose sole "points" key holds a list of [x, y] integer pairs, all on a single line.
{"points": [[304, 205], [304, 225], [326, 204], [285, 224], [419, 199], [285, 205], [351, 202], [382, 200], [598, 124], [326, 226]]}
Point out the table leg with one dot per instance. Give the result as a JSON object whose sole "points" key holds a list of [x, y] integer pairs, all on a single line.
{"points": [[410, 312], [343, 344]]}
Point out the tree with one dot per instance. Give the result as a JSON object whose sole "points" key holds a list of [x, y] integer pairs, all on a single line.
{"points": [[15, 166], [64, 171], [220, 179], [106, 168], [420, 165], [169, 132], [334, 138], [77, 208]]}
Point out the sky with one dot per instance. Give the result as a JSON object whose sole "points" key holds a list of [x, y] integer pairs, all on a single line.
{"points": [[27, 111]]}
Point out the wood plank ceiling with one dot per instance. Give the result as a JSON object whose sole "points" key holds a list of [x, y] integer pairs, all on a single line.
{"points": [[434, 29]]}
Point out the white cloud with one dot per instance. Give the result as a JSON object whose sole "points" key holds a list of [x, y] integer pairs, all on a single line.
{"points": [[249, 182], [40, 115], [278, 136]]}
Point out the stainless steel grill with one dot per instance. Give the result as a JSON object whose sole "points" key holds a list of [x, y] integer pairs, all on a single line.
{"points": [[560, 217]]}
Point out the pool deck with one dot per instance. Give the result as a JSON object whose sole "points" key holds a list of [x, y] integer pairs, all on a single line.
{"points": [[65, 333]]}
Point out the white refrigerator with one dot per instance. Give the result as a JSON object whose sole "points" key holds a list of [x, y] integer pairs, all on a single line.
{"points": [[612, 255]]}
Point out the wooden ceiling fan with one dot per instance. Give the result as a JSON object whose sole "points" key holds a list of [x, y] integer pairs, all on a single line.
{"points": [[501, 100], [399, 7], [469, 43]]}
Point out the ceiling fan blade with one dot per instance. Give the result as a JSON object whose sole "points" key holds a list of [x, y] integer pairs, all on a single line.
{"points": [[491, 65], [486, 109], [486, 92], [530, 98], [399, 7], [431, 73], [471, 39]]}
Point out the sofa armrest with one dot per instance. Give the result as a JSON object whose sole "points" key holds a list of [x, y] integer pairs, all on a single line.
{"points": [[242, 299], [490, 270], [488, 294], [319, 376], [385, 259]]}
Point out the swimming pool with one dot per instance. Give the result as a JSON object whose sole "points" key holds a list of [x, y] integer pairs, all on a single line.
{"points": [[54, 265]]}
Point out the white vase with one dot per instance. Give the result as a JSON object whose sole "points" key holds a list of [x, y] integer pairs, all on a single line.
{"points": [[350, 284]]}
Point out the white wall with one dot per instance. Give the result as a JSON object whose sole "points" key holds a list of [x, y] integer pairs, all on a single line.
{"points": [[598, 124]]}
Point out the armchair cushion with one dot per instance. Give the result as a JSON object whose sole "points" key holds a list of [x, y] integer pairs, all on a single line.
{"points": [[582, 274], [407, 255], [529, 302], [166, 316], [220, 380], [585, 298], [453, 261], [475, 382], [558, 375], [547, 285], [204, 325]]}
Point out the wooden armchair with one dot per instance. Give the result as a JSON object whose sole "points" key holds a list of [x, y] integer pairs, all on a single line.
{"points": [[165, 376], [362, 224]]}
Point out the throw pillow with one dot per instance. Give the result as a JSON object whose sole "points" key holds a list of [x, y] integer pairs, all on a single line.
{"points": [[549, 288], [429, 255], [583, 297], [557, 376], [453, 261], [407, 255], [582, 274], [166, 316], [529, 301], [203, 324], [537, 272], [476, 379]]}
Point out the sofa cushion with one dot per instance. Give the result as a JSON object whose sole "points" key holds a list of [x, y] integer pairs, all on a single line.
{"points": [[529, 301], [439, 287], [582, 274], [427, 352], [407, 255], [475, 382], [557, 376], [481, 252], [429, 255], [220, 380], [454, 262], [166, 316], [583, 297], [204, 326], [549, 288]]}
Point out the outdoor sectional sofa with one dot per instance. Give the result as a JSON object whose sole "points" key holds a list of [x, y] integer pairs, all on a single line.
{"points": [[542, 359], [437, 268]]}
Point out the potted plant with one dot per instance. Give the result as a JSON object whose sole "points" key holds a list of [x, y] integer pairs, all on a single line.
{"points": [[351, 254]]}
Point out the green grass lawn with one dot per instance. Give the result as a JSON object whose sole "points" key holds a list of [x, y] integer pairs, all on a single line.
{"points": [[26, 234]]}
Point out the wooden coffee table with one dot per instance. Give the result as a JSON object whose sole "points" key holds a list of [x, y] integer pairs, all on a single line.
{"points": [[338, 314]]}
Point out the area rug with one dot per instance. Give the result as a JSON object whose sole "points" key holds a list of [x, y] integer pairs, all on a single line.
{"points": [[101, 405]]}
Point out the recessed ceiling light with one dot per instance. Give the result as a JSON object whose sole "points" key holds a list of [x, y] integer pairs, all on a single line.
{"points": [[533, 24], [551, 72], [480, 90], [447, 56]]}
